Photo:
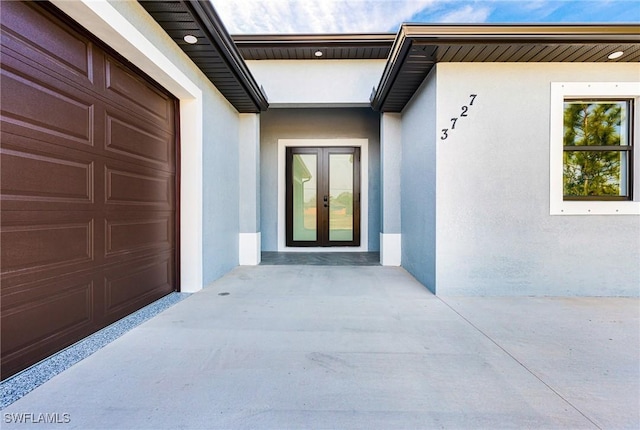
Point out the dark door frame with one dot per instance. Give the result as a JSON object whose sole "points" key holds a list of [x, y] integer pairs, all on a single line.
{"points": [[322, 204]]}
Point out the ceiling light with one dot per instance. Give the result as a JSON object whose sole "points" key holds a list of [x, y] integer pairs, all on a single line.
{"points": [[318, 53], [190, 39], [615, 55]]}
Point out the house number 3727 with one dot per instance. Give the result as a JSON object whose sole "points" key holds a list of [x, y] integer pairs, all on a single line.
{"points": [[464, 112]]}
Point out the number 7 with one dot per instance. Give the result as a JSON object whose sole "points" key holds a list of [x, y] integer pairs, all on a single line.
{"points": [[473, 97]]}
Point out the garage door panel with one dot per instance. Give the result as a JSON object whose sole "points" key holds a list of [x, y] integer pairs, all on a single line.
{"points": [[139, 142], [51, 108], [133, 188], [136, 94], [44, 311], [27, 31], [48, 243], [36, 175], [146, 233], [128, 285], [44, 178]]}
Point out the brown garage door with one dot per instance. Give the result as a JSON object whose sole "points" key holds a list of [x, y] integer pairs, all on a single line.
{"points": [[88, 173]]}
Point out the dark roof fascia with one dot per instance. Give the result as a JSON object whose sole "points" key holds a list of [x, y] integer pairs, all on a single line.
{"points": [[400, 49], [434, 35], [211, 23], [524, 33], [312, 40]]}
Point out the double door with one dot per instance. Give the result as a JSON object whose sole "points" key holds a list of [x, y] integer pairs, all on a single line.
{"points": [[323, 196]]}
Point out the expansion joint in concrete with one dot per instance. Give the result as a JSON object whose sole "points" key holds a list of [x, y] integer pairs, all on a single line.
{"points": [[524, 366]]}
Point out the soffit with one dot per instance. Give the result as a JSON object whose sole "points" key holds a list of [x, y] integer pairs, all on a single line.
{"points": [[214, 53], [304, 46], [419, 47]]}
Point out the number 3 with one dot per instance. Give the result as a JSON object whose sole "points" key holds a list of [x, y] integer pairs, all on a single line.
{"points": [[444, 134]]}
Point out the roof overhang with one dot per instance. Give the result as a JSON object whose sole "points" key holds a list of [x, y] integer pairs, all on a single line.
{"points": [[418, 47], [214, 53], [305, 46]]}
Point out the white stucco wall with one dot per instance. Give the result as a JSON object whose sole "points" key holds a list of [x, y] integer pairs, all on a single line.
{"points": [[208, 127], [317, 83], [495, 234]]}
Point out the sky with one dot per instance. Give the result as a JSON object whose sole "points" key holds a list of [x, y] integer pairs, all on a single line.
{"points": [[385, 16]]}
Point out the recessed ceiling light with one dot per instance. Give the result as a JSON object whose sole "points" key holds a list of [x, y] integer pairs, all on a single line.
{"points": [[190, 39], [615, 55], [318, 53]]}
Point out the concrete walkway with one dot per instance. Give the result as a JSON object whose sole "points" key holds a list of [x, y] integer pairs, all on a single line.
{"points": [[355, 348]]}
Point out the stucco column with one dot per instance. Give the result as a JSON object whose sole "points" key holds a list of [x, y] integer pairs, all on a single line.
{"points": [[390, 163], [249, 188]]}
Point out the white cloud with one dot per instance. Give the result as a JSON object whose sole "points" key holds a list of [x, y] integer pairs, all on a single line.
{"points": [[368, 16], [316, 16], [534, 5], [467, 14]]}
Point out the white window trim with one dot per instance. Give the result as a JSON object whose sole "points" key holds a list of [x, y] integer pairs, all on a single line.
{"points": [[559, 92]]}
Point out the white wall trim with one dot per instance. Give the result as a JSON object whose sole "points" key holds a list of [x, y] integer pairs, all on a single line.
{"points": [[364, 192], [559, 91], [106, 23], [249, 249], [390, 249]]}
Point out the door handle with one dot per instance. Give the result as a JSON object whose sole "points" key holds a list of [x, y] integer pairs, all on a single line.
{"points": [[326, 201]]}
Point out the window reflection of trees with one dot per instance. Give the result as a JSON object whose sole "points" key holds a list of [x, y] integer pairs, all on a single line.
{"points": [[595, 143]]}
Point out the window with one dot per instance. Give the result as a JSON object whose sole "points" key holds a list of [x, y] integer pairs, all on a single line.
{"points": [[597, 159], [592, 155]]}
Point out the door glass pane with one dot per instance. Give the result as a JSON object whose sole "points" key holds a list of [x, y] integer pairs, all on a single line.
{"points": [[304, 197], [340, 197]]}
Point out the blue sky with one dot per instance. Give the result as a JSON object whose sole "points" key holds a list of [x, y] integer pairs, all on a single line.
{"points": [[368, 16]]}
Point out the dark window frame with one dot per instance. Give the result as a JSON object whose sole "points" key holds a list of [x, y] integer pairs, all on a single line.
{"points": [[629, 148]]}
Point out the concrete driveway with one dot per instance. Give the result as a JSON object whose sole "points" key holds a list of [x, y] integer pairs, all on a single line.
{"points": [[355, 348]]}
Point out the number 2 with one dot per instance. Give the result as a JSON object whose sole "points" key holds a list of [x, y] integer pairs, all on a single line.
{"points": [[464, 110]]}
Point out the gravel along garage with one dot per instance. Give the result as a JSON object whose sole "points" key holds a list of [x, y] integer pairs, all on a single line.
{"points": [[88, 183]]}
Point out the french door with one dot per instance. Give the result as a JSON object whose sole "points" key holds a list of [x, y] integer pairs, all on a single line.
{"points": [[323, 196]]}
